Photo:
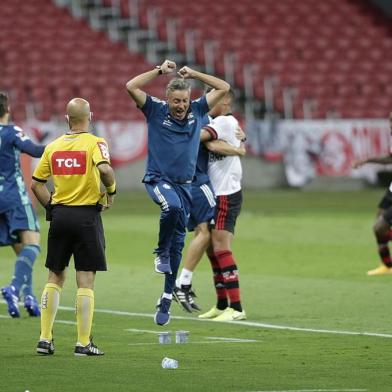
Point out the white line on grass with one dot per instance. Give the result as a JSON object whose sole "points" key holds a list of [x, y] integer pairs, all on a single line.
{"points": [[143, 331], [66, 322], [234, 340], [57, 321], [200, 342], [240, 323], [207, 337], [217, 338]]}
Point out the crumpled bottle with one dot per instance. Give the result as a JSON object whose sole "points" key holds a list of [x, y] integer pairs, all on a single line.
{"points": [[169, 363]]}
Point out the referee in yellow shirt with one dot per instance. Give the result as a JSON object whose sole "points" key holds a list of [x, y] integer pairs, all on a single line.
{"points": [[77, 162]]}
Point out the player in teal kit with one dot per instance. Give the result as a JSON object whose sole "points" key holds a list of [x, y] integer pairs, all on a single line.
{"points": [[18, 223], [173, 143]]}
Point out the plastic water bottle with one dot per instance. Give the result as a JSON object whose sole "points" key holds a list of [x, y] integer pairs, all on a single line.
{"points": [[182, 336], [169, 363], [164, 338]]}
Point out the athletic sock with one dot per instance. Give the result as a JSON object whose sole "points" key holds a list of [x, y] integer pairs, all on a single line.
{"points": [[185, 278], [175, 261], [230, 277], [167, 296], [220, 289], [383, 251], [49, 304], [84, 314], [22, 278]]}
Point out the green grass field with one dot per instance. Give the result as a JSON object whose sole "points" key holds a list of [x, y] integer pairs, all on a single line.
{"points": [[302, 258]]}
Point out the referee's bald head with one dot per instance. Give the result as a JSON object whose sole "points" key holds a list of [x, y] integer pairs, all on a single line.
{"points": [[78, 111]]}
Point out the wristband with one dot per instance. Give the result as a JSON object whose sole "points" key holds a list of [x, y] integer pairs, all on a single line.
{"points": [[111, 190], [158, 67]]}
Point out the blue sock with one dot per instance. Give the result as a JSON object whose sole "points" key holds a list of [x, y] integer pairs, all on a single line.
{"points": [[22, 278], [175, 260], [170, 280]]}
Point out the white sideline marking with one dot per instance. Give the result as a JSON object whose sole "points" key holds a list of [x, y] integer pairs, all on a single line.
{"points": [[200, 342], [57, 321], [240, 324], [143, 330], [66, 322], [234, 340], [217, 339]]}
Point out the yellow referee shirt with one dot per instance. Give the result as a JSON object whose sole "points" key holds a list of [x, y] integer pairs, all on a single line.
{"points": [[72, 161]]}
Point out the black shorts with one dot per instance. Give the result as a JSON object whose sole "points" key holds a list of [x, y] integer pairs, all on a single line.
{"points": [[227, 210], [386, 201], [77, 231]]}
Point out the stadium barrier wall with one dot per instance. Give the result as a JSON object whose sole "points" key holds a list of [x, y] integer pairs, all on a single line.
{"points": [[296, 153]]}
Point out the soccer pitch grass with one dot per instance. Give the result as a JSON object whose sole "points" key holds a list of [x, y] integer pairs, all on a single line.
{"points": [[302, 258]]}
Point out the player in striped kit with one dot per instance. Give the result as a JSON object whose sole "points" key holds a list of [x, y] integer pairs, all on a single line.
{"points": [[201, 214], [382, 225], [225, 173]]}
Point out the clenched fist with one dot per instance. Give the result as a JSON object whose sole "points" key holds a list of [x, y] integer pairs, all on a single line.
{"points": [[168, 66], [186, 72]]}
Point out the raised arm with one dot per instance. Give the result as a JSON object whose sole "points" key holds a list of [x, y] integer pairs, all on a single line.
{"points": [[385, 160], [220, 87], [224, 148], [134, 85]]}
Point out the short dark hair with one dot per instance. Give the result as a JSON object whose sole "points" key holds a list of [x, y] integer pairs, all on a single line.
{"points": [[4, 103]]}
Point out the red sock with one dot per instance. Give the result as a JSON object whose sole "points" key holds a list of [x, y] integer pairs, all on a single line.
{"points": [[230, 277], [219, 284], [383, 251]]}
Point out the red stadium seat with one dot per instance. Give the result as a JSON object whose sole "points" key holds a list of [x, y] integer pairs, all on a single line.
{"points": [[326, 50], [51, 57], [313, 46]]}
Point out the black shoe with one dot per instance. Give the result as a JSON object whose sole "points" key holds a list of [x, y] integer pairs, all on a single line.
{"points": [[192, 296], [192, 292], [182, 297], [195, 307], [90, 350], [45, 348]]}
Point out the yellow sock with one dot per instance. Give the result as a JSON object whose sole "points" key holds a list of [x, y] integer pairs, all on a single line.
{"points": [[84, 314], [49, 303]]}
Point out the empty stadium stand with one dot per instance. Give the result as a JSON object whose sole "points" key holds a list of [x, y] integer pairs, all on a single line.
{"points": [[335, 52], [334, 55], [48, 57]]}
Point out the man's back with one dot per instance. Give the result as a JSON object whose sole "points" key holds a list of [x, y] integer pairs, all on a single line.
{"points": [[72, 160], [225, 171]]}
